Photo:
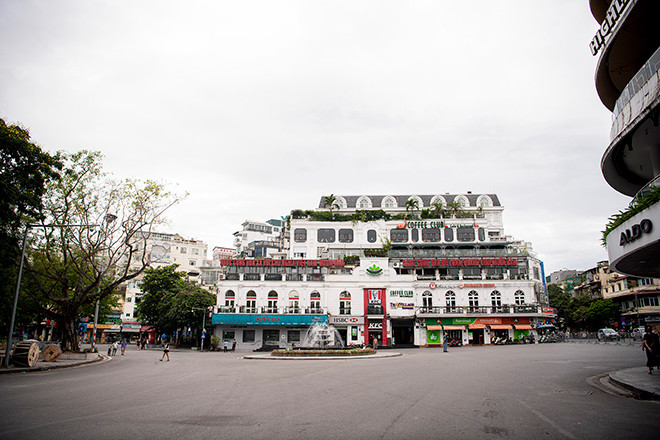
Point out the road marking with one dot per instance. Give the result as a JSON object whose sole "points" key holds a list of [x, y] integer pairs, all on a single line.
{"points": [[548, 421]]}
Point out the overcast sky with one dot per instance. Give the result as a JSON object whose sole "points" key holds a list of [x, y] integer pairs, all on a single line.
{"points": [[260, 107]]}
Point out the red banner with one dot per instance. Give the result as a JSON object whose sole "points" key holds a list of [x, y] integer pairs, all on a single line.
{"points": [[269, 262], [460, 262]]}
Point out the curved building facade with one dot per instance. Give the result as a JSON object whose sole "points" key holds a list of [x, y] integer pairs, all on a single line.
{"points": [[627, 81]]}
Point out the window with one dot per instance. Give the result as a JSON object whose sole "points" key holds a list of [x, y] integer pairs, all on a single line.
{"points": [[431, 235], [195, 251], [128, 299], [364, 203], [449, 234], [473, 299], [300, 235], [272, 302], [389, 202], [496, 299], [346, 236], [427, 299], [482, 234], [183, 250], [326, 236], [228, 335], [315, 301], [399, 235], [293, 336], [415, 235], [191, 262], [371, 236], [248, 335], [344, 303], [465, 234], [128, 315], [519, 297], [450, 299]]}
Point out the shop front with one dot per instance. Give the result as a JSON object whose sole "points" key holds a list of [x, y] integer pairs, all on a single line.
{"points": [[349, 328], [264, 331], [376, 312]]}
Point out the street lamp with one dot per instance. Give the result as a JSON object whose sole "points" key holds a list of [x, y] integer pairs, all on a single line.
{"points": [[203, 335], [18, 280]]}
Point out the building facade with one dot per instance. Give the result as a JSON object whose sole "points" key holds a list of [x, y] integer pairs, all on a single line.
{"points": [[627, 82], [404, 269]]}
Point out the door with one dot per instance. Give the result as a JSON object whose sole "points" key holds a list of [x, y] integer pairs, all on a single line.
{"points": [[271, 338]]}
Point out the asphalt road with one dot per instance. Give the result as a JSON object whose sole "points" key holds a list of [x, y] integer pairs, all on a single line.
{"points": [[511, 392]]}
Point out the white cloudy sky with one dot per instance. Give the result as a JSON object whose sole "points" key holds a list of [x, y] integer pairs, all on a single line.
{"points": [[260, 107]]}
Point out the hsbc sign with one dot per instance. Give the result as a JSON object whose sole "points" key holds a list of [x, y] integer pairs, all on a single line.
{"points": [[346, 320]]}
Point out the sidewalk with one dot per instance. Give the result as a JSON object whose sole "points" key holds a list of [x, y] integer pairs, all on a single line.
{"points": [[639, 382], [57, 363]]}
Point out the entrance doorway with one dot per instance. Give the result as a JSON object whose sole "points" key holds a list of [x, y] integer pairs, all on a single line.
{"points": [[344, 336], [477, 336], [271, 339], [402, 332]]}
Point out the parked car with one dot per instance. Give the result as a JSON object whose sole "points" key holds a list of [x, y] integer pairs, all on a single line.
{"points": [[638, 333], [608, 334]]}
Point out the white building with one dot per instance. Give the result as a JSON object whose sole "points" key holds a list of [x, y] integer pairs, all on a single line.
{"points": [[259, 239], [370, 272]]}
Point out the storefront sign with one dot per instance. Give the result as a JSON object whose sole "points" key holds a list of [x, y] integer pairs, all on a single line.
{"points": [[636, 231], [463, 285], [435, 224], [256, 319], [346, 320], [269, 262], [402, 293], [548, 310], [374, 296], [402, 305], [614, 13], [459, 262], [375, 325], [374, 270]]}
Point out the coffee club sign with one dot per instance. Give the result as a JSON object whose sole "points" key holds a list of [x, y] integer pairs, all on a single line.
{"points": [[433, 224]]}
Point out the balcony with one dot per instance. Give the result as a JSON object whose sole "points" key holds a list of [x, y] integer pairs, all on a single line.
{"points": [[374, 310], [481, 310]]}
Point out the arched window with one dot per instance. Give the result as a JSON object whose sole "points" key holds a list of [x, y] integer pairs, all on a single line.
{"points": [[473, 298], [230, 302], [519, 297], [389, 202], [363, 202], [294, 302], [427, 299], [272, 302], [315, 302], [496, 299], [438, 200], [484, 201], [464, 201], [450, 301], [344, 303], [251, 302]]}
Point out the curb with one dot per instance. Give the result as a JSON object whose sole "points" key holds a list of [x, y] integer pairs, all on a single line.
{"points": [[268, 357], [639, 391]]}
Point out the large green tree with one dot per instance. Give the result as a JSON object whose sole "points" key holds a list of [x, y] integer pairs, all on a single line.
{"points": [[102, 244], [25, 170], [170, 302]]}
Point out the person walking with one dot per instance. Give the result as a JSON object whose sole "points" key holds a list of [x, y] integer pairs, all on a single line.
{"points": [[375, 344], [124, 344], [166, 351], [115, 346], [233, 346], [444, 344], [226, 346], [650, 344]]}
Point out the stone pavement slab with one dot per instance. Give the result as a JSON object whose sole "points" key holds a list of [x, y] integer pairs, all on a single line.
{"points": [[637, 380]]}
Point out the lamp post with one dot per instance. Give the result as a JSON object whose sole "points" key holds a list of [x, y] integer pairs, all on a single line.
{"points": [[18, 281]]}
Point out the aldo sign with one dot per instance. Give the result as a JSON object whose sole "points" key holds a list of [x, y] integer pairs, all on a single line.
{"points": [[635, 232]]}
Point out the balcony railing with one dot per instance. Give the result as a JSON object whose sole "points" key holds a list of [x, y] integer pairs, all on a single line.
{"points": [[374, 310], [482, 310]]}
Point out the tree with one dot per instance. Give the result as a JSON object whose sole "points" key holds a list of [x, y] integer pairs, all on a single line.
{"points": [[25, 170], [330, 202], [602, 311], [170, 302], [103, 244], [412, 205], [455, 208], [436, 209]]}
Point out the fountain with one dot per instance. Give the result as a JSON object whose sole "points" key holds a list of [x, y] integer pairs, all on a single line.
{"points": [[323, 335]]}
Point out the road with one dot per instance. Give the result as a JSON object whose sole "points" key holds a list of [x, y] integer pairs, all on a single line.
{"points": [[490, 392]]}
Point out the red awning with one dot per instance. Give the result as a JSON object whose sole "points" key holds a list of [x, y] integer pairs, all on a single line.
{"points": [[454, 327], [434, 327], [500, 326], [476, 326], [523, 326]]}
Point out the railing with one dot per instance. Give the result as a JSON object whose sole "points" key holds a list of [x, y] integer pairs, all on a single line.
{"points": [[273, 277], [374, 310], [226, 309], [251, 277], [232, 276], [484, 310], [294, 277]]}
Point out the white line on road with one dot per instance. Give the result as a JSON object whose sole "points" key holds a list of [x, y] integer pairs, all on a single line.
{"points": [[548, 421]]}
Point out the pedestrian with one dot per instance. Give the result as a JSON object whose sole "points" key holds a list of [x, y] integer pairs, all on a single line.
{"points": [[144, 344], [375, 343], [226, 345], [166, 351], [444, 344], [115, 346], [650, 344], [233, 346], [124, 344]]}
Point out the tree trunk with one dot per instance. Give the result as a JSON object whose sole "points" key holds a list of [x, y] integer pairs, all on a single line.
{"points": [[69, 335]]}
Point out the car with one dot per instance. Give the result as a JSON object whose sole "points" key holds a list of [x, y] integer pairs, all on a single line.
{"points": [[608, 334], [638, 333]]}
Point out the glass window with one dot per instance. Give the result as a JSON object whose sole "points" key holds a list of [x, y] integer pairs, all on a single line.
{"points": [[519, 297], [346, 236], [450, 298], [465, 234], [415, 235], [300, 235], [326, 236], [427, 299], [371, 236], [449, 234], [183, 250], [495, 298], [248, 335], [431, 235], [293, 335], [399, 235], [473, 299], [482, 234]]}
